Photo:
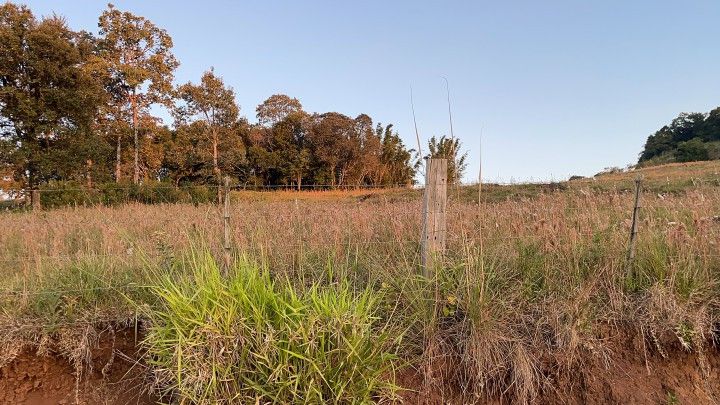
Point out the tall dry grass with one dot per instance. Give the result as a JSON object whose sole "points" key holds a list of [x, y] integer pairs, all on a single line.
{"points": [[522, 280]]}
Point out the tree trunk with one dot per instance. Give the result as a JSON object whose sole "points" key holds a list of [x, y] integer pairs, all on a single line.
{"points": [[216, 166], [136, 173], [341, 179], [89, 174], [30, 185], [117, 159]]}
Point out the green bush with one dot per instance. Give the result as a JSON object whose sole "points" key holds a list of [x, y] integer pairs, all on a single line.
{"points": [[692, 151], [61, 194], [247, 339]]}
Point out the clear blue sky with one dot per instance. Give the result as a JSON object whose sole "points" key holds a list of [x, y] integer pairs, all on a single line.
{"points": [[558, 87]]}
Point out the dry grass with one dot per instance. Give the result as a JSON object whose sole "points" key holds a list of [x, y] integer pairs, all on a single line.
{"points": [[674, 176], [523, 278]]}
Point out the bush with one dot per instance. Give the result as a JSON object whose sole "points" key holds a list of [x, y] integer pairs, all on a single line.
{"points": [[59, 194], [247, 339], [691, 151]]}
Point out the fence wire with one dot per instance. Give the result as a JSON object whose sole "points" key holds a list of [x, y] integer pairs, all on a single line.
{"points": [[487, 215]]}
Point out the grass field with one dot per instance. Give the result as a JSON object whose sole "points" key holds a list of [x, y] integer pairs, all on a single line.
{"points": [[323, 302]]}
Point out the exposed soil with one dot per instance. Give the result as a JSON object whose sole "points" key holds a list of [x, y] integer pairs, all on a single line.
{"points": [[632, 371], [634, 374], [114, 378]]}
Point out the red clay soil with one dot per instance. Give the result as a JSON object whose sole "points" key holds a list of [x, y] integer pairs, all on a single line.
{"points": [[635, 376], [633, 373], [38, 380]]}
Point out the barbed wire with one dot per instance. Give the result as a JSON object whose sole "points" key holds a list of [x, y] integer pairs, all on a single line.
{"points": [[340, 244], [559, 184], [413, 243], [138, 286], [235, 187]]}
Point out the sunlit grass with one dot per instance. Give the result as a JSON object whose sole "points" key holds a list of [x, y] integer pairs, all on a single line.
{"points": [[249, 339], [534, 274]]}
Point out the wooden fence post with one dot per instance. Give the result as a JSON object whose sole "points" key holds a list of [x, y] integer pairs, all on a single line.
{"points": [[226, 223], [35, 199], [634, 226], [434, 204]]}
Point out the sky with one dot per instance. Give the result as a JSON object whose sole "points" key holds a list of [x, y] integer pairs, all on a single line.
{"points": [[553, 88]]}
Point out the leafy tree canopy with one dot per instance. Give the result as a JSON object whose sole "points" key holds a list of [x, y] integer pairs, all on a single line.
{"points": [[689, 137], [76, 107], [449, 148]]}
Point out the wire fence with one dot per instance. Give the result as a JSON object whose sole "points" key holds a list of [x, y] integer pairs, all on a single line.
{"points": [[159, 193], [233, 187], [623, 205], [559, 184]]}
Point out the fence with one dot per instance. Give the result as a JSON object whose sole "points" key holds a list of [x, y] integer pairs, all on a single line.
{"points": [[430, 241]]}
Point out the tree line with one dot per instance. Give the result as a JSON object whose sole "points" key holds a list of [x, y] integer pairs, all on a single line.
{"points": [[689, 137], [77, 108]]}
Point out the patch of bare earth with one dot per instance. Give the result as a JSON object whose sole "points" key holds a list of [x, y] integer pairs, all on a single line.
{"points": [[113, 377], [632, 370]]}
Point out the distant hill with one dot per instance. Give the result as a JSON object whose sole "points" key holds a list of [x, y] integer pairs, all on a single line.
{"points": [[690, 137]]}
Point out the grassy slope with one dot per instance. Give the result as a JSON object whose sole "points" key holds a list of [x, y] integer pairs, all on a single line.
{"points": [[536, 269], [669, 178]]}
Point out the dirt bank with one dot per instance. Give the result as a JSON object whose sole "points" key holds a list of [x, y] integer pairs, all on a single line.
{"points": [[113, 378], [631, 370]]}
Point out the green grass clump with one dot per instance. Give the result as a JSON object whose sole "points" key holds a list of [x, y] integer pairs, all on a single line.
{"points": [[246, 338]]}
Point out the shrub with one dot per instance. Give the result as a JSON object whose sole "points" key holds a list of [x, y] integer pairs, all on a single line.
{"points": [[691, 151], [59, 194]]}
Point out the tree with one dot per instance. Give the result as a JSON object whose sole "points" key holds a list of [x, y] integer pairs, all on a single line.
{"points": [[214, 106], [330, 140], [449, 148], [289, 141], [659, 143], [689, 137], [188, 153], [686, 126], [137, 58], [71, 103], [691, 151], [710, 131], [278, 150], [181, 160], [364, 152], [276, 108], [46, 95], [396, 161]]}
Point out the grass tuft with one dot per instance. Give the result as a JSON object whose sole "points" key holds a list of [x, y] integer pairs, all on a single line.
{"points": [[250, 339]]}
